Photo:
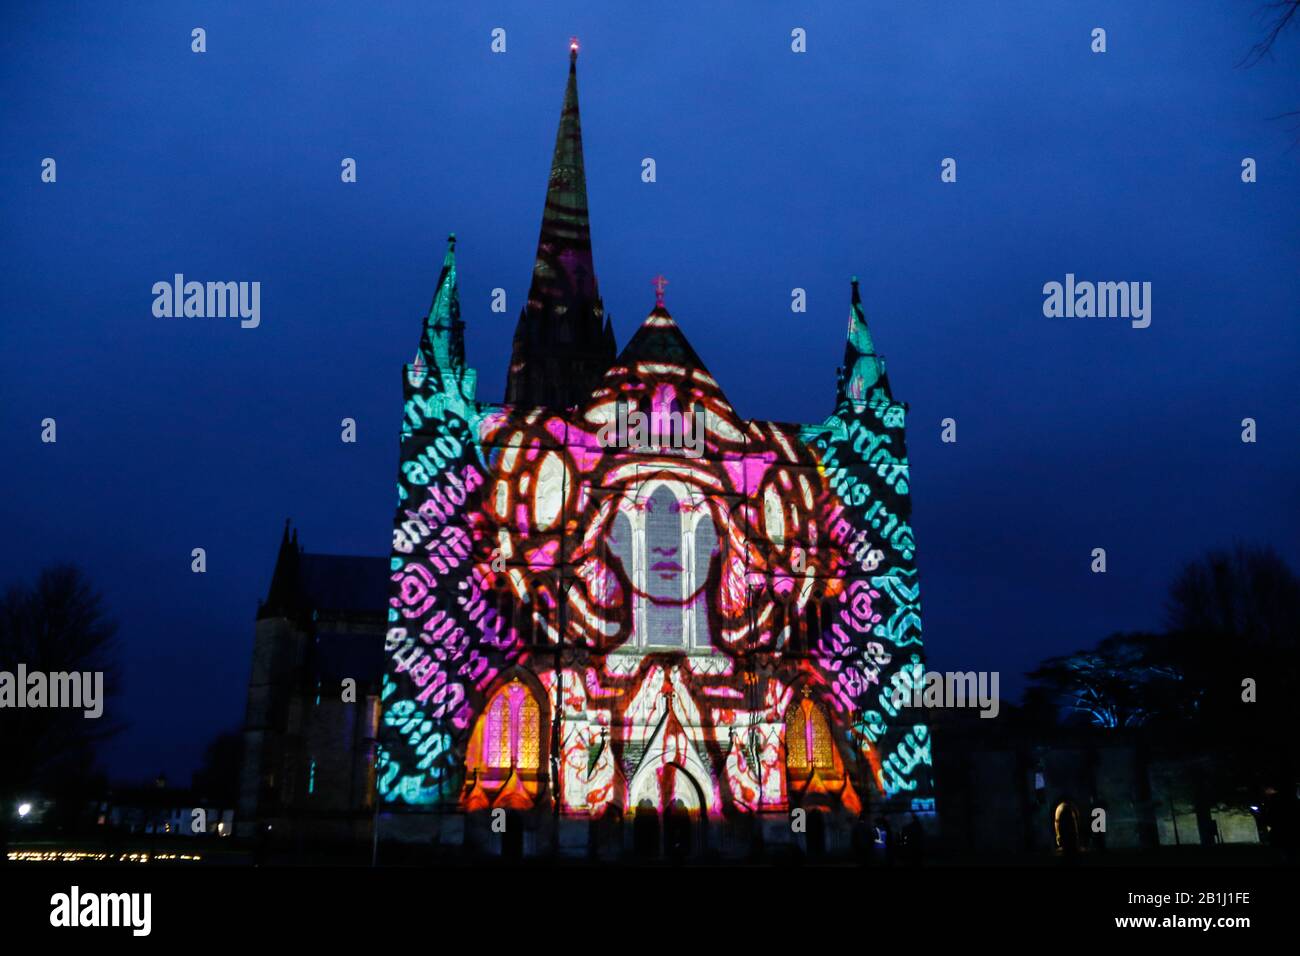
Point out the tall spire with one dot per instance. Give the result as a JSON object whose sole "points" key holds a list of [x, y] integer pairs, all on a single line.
{"points": [[564, 270], [560, 346], [863, 369]]}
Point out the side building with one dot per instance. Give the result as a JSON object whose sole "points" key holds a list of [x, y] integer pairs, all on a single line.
{"points": [[310, 735]]}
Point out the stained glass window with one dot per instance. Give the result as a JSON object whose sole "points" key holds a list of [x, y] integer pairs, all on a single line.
{"points": [[497, 732], [796, 748], [807, 735], [511, 736], [821, 739], [528, 721]]}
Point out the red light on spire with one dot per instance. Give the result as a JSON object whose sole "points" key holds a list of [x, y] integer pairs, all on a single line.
{"points": [[573, 46]]}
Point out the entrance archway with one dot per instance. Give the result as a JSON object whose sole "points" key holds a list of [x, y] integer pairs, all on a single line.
{"points": [[645, 831], [669, 793], [815, 835]]}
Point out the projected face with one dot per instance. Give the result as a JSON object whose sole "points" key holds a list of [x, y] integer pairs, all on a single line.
{"points": [[664, 542], [665, 578]]}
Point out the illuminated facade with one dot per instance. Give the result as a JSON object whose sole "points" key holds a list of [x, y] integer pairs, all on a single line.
{"points": [[584, 633]]}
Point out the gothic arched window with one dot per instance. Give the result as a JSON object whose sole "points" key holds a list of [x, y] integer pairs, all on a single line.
{"points": [[511, 733], [665, 539], [808, 739], [665, 584]]}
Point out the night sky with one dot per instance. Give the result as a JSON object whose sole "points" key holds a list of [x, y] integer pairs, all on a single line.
{"points": [[775, 171]]}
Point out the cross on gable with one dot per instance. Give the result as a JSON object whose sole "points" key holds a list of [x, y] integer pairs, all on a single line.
{"points": [[659, 283]]}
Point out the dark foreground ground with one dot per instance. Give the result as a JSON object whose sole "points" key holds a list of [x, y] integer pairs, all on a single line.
{"points": [[228, 853], [221, 897]]}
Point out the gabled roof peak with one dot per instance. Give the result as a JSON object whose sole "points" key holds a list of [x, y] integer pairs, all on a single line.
{"points": [[660, 340]]}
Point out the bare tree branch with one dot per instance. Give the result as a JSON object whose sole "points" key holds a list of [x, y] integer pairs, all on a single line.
{"points": [[1281, 15]]}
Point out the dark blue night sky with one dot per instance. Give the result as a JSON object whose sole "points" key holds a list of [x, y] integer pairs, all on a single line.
{"points": [[775, 171]]}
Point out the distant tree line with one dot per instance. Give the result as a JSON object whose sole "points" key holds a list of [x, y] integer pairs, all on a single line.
{"points": [[1219, 681]]}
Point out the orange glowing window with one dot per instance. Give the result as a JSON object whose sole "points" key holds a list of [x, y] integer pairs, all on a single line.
{"points": [[510, 738], [808, 739], [527, 732]]}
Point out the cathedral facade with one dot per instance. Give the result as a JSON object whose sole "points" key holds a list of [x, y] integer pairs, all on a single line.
{"points": [[603, 638]]}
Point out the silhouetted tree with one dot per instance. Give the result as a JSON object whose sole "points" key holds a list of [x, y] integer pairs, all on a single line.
{"points": [[57, 624], [1125, 681], [1278, 17], [1234, 617], [1233, 620]]}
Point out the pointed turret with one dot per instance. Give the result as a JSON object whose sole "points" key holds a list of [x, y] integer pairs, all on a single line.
{"points": [[439, 363], [562, 344], [442, 346], [863, 369], [283, 599]]}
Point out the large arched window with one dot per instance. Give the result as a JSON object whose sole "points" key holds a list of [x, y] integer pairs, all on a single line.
{"points": [[510, 737], [808, 739], [665, 572], [665, 539]]}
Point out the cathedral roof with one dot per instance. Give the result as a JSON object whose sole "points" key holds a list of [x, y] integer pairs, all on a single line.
{"points": [[302, 582], [660, 354], [344, 582], [660, 340]]}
